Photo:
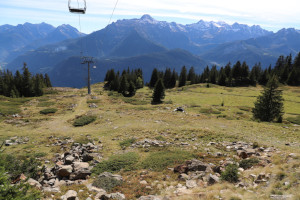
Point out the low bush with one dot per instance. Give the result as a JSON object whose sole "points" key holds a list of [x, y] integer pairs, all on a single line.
{"points": [[117, 163], [248, 163], [84, 120], [127, 142], [230, 174], [48, 111], [106, 183], [10, 191], [16, 166], [158, 161]]}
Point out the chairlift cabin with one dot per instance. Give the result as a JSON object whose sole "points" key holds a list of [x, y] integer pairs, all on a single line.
{"points": [[77, 6]]}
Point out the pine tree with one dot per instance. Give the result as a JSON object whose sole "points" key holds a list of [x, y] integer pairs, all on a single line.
{"points": [[222, 77], [167, 78], [213, 75], [27, 82], [159, 92], [47, 81], [173, 79], [38, 86], [154, 78], [182, 77], [123, 85], [131, 89], [191, 76], [269, 105]]}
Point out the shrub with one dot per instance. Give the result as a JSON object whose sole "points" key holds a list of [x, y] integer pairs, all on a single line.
{"points": [[48, 111], [158, 161], [106, 183], [10, 191], [248, 163], [84, 120], [280, 176], [127, 142], [255, 145], [230, 174], [117, 163], [15, 166]]}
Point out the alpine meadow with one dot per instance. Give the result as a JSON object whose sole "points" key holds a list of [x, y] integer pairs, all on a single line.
{"points": [[99, 102]]}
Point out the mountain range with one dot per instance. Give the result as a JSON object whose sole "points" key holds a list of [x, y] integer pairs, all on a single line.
{"points": [[144, 43]]}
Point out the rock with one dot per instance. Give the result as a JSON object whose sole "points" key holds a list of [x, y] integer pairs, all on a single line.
{"points": [[150, 197], [179, 109], [69, 160], [70, 195], [250, 152], [34, 183], [197, 165], [180, 169], [293, 155], [64, 170], [110, 175], [143, 182], [191, 183], [93, 105], [281, 197], [51, 189], [80, 166], [183, 177], [92, 188], [87, 157], [117, 196], [242, 154], [212, 179]]}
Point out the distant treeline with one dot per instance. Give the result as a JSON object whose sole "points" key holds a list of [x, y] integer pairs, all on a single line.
{"points": [[126, 83], [287, 71], [23, 85]]}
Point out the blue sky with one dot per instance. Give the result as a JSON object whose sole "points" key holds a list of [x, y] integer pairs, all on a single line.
{"points": [[271, 15]]}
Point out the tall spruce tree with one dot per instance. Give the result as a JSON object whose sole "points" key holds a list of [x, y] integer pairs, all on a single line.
{"points": [[123, 88], [158, 92], [27, 82], [182, 77], [167, 78], [173, 79], [191, 76], [222, 77], [154, 78], [269, 105]]}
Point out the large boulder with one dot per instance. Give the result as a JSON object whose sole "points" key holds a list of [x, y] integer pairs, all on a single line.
{"points": [[197, 165], [34, 183], [64, 170]]}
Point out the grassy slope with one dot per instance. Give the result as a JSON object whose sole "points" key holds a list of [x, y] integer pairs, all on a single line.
{"points": [[120, 118]]}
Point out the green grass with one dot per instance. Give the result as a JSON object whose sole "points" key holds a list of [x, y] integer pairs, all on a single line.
{"points": [[127, 142], [84, 120], [48, 111], [248, 163], [160, 160], [9, 106], [45, 104], [117, 163], [294, 120]]}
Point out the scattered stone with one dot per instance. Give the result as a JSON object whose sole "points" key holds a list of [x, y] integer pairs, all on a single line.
{"points": [[191, 183], [93, 105], [34, 183], [179, 109], [143, 182], [150, 197], [70, 195], [212, 179], [281, 197]]}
